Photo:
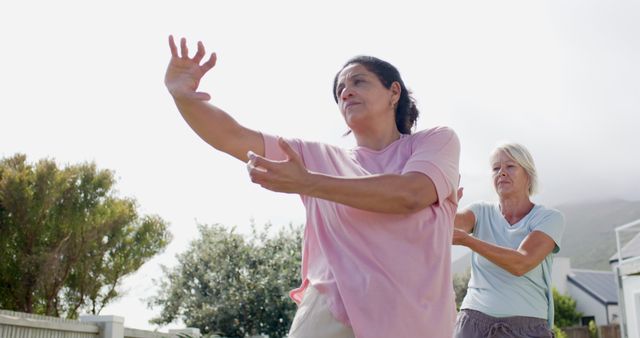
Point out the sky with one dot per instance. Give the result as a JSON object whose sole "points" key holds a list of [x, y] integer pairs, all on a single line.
{"points": [[82, 81]]}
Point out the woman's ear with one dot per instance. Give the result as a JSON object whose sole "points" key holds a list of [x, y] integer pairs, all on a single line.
{"points": [[396, 90]]}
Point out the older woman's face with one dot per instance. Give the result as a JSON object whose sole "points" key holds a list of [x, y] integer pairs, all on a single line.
{"points": [[509, 178]]}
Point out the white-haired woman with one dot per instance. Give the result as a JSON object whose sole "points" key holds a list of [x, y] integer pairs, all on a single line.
{"points": [[513, 242]]}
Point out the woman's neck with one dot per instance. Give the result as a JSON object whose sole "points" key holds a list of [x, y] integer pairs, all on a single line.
{"points": [[515, 208], [377, 140]]}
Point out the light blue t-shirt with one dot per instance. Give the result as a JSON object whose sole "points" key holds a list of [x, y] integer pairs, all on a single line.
{"points": [[495, 291]]}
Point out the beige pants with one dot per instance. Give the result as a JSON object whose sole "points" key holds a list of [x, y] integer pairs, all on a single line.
{"points": [[313, 318]]}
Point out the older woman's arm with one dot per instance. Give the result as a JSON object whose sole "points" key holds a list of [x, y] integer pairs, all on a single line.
{"points": [[465, 220], [533, 249]]}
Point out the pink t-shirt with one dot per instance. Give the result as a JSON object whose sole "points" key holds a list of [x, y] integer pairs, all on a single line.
{"points": [[386, 275]]}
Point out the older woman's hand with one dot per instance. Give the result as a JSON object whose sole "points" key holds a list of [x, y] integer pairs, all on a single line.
{"points": [[289, 176], [460, 237]]}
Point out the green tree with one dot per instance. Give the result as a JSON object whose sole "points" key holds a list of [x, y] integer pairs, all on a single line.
{"points": [[66, 240], [460, 284], [233, 286], [565, 310]]}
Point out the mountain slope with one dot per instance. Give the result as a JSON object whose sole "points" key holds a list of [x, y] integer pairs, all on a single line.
{"points": [[589, 238]]}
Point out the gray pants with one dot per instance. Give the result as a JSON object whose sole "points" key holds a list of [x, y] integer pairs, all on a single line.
{"points": [[475, 324]]}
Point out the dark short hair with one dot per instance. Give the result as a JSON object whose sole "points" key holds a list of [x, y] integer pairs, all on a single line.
{"points": [[406, 110]]}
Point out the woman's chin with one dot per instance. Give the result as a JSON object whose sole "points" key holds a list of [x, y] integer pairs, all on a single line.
{"points": [[355, 121]]}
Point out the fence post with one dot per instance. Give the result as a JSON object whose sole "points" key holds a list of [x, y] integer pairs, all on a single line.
{"points": [[576, 332], [610, 331], [110, 326], [189, 332]]}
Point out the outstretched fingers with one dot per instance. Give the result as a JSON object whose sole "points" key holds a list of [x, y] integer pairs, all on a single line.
{"points": [[173, 47], [210, 63], [183, 48], [197, 58], [199, 53], [183, 73]]}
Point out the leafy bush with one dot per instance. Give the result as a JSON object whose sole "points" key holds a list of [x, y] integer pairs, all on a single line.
{"points": [[565, 310], [229, 285], [593, 329], [559, 333], [460, 284]]}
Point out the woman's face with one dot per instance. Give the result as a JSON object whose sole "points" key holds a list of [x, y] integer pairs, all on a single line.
{"points": [[363, 100], [509, 178]]}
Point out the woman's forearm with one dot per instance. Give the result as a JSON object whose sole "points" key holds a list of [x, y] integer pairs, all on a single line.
{"points": [[219, 129], [531, 252], [396, 194], [509, 259]]}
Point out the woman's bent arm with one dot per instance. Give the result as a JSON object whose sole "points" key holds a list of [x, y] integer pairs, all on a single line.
{"points": [[386, 193], [533, 249], [465, 220]]}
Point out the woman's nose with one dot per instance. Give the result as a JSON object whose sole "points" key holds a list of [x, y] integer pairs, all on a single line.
{"points": [[346, 93]]}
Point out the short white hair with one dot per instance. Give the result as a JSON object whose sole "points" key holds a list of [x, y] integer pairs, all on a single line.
{"points": [[522, 156]]}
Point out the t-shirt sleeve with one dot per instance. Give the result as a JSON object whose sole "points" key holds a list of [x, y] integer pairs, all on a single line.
{"points": [[478, 209], [552, 224], [273, 151], [436, 153]]}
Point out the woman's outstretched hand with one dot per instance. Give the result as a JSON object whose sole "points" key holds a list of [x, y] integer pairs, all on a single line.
{"points": [[288, 176], [184, 74]]}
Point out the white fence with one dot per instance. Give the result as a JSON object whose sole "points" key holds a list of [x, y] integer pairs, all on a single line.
{"points": [[628, 280], [26, 325]]}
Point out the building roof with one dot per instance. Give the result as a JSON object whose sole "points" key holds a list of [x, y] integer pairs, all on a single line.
{"points": [[601, 285]]}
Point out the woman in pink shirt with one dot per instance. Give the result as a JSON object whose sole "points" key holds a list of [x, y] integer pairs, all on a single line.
{"points": [[376, 251]]}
